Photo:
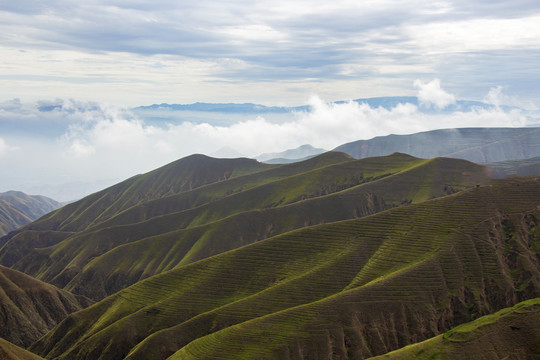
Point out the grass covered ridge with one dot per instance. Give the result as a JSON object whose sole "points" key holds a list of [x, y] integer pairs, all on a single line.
{"points": [[109, 253], [354, 288]]}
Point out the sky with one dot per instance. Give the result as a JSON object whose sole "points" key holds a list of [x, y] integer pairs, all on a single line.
{"points": [[96, 60], [136, 52]]}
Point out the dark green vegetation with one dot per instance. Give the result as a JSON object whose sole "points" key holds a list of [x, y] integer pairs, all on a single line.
{"points": [[346, 289], [480, 145], [198, 207], [29, 307], [18, 209], [8, 351], [512, 333]]}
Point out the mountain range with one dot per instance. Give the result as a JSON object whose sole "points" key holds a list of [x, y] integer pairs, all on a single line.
{"points": [[333, 257], [386, 102]]}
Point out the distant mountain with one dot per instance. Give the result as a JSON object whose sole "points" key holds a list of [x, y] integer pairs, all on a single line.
{"points": [[18, 209], [222, 108], [300, 153], [227, 153], [343, 289], [385, 102], [511, 333], [480, 145], [525, 167], [29, 307]]}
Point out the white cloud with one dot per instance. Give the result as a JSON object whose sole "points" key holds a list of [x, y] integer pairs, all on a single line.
{"points": [[494, 96], [100, 141], [3, 147], [431, 94], [481, 34]]}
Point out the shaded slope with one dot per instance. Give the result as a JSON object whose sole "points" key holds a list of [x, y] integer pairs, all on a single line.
{"points": [[512, 333], [18, 209], [480, 145], [162, 234], [8, 351], [354, 288], [29, 307]]}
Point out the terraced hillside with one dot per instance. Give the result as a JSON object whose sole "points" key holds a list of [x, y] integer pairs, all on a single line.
{"points": [[18, 209], [480, 145], [346, 289], [511, 333], [29, 308], [113, 239]]}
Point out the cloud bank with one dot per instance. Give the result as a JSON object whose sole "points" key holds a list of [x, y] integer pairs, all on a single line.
{"points": [[94, 141]]}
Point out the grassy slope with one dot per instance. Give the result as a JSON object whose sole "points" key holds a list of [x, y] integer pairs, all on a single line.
{"points": [[29, 307], [9, 351], [18, 209], [182, 175], [511, 333], [354, 288], [167, 232]]}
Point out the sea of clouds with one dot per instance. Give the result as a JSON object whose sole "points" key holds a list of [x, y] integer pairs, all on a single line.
{"points": [[45, 146]]}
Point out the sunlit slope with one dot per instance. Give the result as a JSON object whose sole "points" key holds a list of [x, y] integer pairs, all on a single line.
{"points": [[9, 351], [165, 233], [348, 289], [511, 333], [29, 307], [185, 174]]}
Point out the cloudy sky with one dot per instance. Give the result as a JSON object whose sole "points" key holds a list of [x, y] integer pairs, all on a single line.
{"points": [[98, 59], [136, 52]]}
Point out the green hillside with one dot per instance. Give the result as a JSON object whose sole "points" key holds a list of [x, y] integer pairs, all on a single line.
{"points": [[185, 174], [346, 289], [29, 307], [480, 145], [511, 333], [18, 209], [96, 255]]}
